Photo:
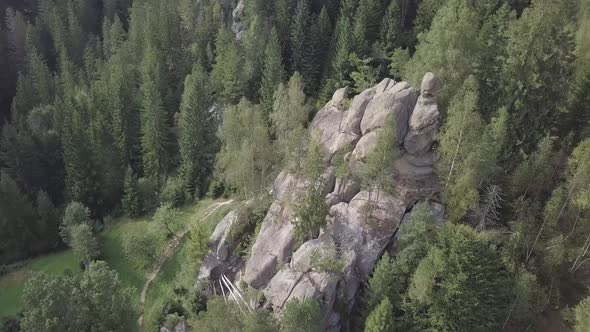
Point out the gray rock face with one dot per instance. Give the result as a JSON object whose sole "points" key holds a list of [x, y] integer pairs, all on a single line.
{"points": [[219, 241], [400, 104], [424, 122], [346, 189], [237, 25], [355, 234], [420, 141], [366, 145], [355, 113]]}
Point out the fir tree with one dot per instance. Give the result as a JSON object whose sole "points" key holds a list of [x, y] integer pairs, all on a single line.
{"points": [[228, 72]]}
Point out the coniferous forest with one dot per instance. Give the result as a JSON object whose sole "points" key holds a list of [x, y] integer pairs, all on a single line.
{"points": [[165, 165]]}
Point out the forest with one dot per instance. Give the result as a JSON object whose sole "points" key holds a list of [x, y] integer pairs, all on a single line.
{"points": [[133, 131]]}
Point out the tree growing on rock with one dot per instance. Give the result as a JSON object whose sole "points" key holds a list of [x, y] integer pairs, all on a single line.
{"points": [[289, 120], [312, 211], [377, 174], [303, 316]]}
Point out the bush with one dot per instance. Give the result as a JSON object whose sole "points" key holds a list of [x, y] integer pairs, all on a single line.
{"points": [[76, 214], [303, 316], [173, 192]]}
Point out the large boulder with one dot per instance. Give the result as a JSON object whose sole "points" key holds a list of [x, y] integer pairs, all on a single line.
{"points": [[237, 16], [274, 245], [366, 145], [400, 104], [219, 241], [421, 140], [354, 115], [346, 189]]}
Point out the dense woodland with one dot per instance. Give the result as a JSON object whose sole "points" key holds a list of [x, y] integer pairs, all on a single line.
{"points": [[130, 107]]}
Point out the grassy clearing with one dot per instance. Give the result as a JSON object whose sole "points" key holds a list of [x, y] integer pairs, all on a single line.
{"points": [[12, 284]]}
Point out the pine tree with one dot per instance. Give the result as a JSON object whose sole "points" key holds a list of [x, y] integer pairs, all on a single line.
{"points": [[378, 170], [254, 41], [344, 47], [130, 200], [48, 219], [381, 318], [228, 72], [426, 13], [272, 74], [197, 140], [366, 25], [391, 27], [300, 34], [154, 122]]}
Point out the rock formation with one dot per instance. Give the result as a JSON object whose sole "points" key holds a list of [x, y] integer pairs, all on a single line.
{"points": [[238, 26], [284, 271]]}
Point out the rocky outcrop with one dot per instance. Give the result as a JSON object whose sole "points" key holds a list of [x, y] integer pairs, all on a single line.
{"points": [[361, 223], [238, 26]]}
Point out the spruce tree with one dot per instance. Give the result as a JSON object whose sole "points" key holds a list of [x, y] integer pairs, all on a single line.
{"points": [[154, 122], [391, 27], [344, 47], [381, 318], [197, 138], [300, 34], [272, 74], [228, 76], [130, 201], [367, 21], [254, 42]]}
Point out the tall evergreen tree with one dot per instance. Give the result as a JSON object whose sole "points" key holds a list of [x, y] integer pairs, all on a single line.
{"points": [[130, 200], [300, 34], [197, 139], [228, 72], [272, 74], [154, 123], [381, 318]]}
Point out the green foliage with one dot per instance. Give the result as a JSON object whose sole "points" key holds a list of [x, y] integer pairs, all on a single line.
{"points": [[246, 155], [426, 13], [198, 245], [220, 316], [260, 320], [95, 301], [272, 74], [142, 247], [391, 27], [165, 218], [461, 283], [582, 312], [540, 49], [449, 49], [367, 21], [327, 260], [173, 192], [378, 171], [303, 316], [364, 75], [154, 123], [75, 214], [228, 77], [148, 195], [84, 243], [289, 120], [131, 200], [311, 212], [459, 143], [381, 318], [197, 140]]}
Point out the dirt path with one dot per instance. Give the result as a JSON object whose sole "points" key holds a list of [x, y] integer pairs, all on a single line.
{"points": [[169, 252]]}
